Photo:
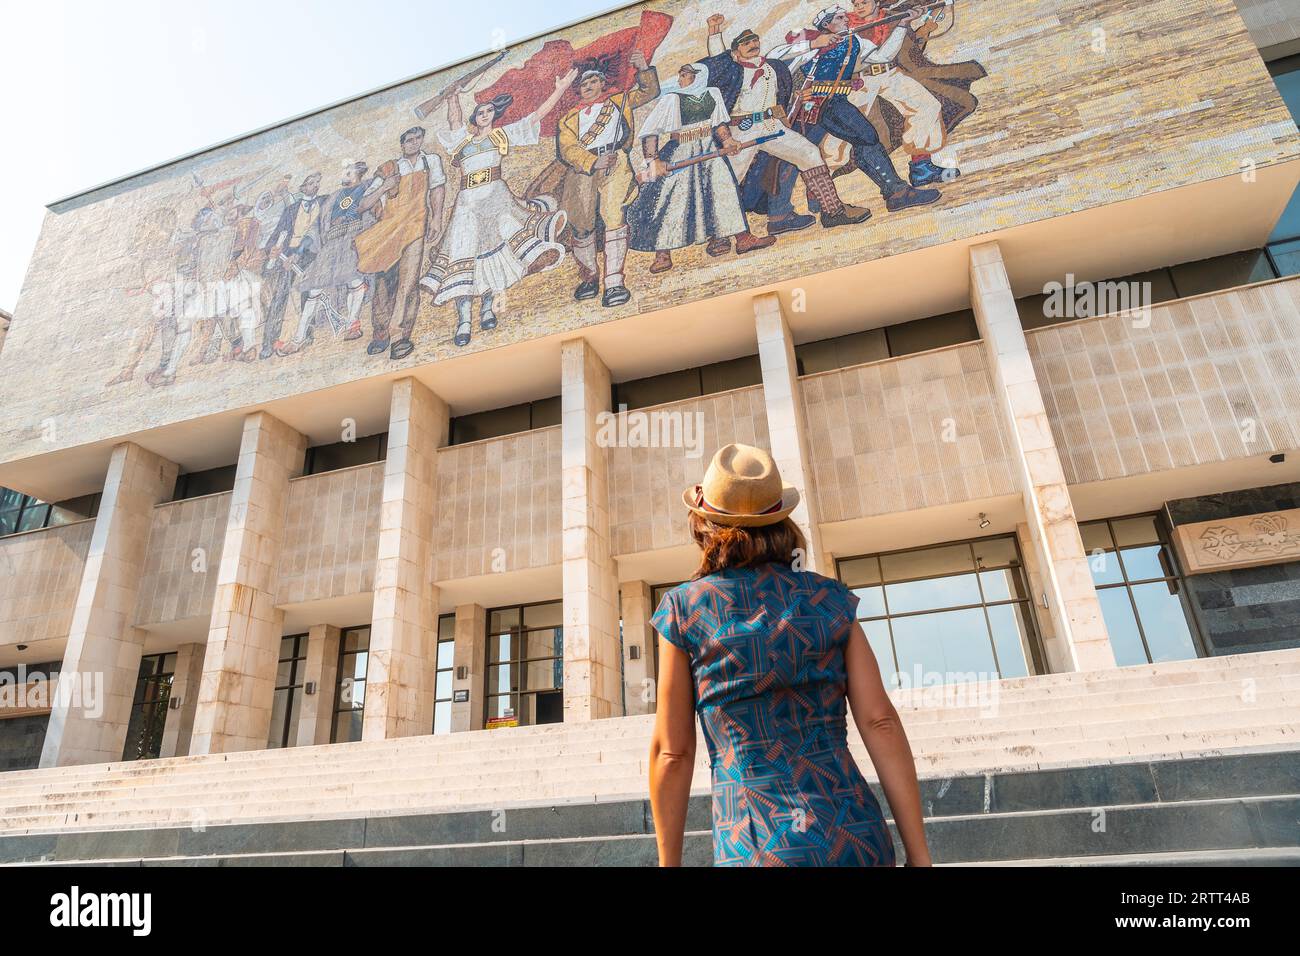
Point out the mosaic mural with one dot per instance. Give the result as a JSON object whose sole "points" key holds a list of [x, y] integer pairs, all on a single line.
{"points": [[662, 153]]}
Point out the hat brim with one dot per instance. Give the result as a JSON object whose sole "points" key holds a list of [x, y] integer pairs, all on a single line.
{"points": [[789, 501]]}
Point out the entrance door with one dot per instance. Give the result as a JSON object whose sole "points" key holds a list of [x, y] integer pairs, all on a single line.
{"points": [[525, 665], [149, 707]]}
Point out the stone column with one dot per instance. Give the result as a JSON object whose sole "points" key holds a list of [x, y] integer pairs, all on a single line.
{"points": [[1049, 513], [786, 429], [639, 681], [403, 662], [593, 682], [90, 712], [471, 654], [239, 668], [322, 666], [185, 687]]}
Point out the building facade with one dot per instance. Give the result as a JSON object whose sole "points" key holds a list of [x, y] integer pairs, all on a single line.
{"points": [[374, 424]]}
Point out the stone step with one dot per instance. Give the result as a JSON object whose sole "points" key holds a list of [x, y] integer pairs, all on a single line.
{"points": [[396, 798], [1052, 801], [571, 738], [239, 789], [1263, 826], [1261, 856], [1257, 774], [1207, 713]]}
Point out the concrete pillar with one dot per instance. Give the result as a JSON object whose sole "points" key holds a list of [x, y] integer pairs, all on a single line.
{"points": [[179, 727], [639, 682], [786, 429], [239, 668], [321, 667], [403, 663], [471, 654], [89, 717], [1072, 600], [593, 682]]}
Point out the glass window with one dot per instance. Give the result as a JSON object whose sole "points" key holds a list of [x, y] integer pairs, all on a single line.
{"points": [[656, 598], [956, 611], [525, 668], [1101, 297], [20, 512], [546, 412], [446, 657], [148, 718], [935, 332], [658, 389], [726, 376], [350, 694], [1221, 272], [346, 454], [843, 351], [1141, 589], [200, 483], [289, 679]]}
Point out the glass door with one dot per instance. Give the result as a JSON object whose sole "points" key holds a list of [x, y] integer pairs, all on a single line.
{"points": [[525, 665]]}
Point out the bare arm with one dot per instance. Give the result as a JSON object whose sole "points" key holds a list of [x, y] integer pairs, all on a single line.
{"points": [[882, 732], [672, 752]]}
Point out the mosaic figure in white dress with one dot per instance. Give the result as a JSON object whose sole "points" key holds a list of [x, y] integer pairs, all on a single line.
{"points": [[494, 238]]}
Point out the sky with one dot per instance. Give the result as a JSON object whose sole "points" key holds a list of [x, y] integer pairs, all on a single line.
{"points": [[91, 91]]}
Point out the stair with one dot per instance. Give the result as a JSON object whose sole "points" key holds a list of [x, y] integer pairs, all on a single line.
{"points": [[960, 734], [1229, 810]]}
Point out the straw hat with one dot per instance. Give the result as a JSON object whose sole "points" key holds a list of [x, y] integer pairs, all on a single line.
{"points": [[742, 488]]}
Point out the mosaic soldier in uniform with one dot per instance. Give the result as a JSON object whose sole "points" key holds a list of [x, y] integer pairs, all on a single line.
{"points": [[290, 250], [335, 266], [912, 102], [699, 200], [494, 238], [593, 142], [821, 107], [408, 193], [755, 92]]}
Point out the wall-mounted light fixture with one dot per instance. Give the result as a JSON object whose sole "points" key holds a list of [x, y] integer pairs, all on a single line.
{"points": [[1277, 459], [984, 521], [633, 652], [173, 703], [309, 688], [462, 672]]}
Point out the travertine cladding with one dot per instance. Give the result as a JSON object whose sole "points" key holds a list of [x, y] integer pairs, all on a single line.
{"points": [[593, 678], [1069, 596], [40, 572], [877, 434], [645, 484], [178, 583], [330, 534], [1271, 22], [786, 425], [499, 493], [101, 662], [1212, 379], [402, 664]]}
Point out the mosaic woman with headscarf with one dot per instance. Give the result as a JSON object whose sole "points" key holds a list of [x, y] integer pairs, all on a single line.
{"points": [[689, 199], [494, 238]]}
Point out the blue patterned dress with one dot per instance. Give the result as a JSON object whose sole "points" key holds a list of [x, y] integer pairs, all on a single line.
{"points": [[767, 657]]}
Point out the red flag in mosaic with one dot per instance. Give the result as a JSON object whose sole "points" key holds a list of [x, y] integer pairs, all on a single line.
{"points": [[531, 83]]}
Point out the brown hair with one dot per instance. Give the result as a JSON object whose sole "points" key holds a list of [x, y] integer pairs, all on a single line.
{"points": [[724, 546]]}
